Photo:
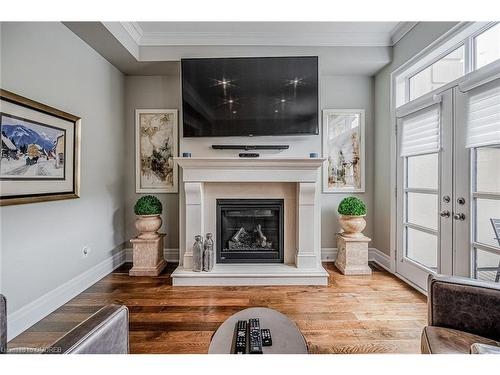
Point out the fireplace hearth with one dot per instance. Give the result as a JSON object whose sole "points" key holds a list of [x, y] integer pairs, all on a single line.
{"points": [[250, 230]]}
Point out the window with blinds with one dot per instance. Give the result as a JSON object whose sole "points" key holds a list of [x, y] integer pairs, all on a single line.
{"points": [[421, 132], [483, 117]]}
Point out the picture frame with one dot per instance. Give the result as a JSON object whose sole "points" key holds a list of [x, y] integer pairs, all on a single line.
{"points": [[156, 146], [344, 150], [40, 152]]}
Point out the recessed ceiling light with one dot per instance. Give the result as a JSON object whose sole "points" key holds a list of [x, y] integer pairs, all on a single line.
{"points": [[283, 100], [224, 82], [234, 111], [231, 102], [295, 82], [275, 111]]}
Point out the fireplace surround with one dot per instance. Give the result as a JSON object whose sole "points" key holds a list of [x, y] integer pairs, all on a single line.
{"points": [[250, 230], [294, 180]]}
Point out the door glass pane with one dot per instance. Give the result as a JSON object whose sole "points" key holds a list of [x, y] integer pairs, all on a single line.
{"points": [[488, 46], [488, 175], [423, 171], [422, 247], [486, 209], [443, 71], [423, 209], [487, 265]]}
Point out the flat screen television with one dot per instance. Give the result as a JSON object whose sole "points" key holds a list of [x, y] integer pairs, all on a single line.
{"points": [[253, 96]]}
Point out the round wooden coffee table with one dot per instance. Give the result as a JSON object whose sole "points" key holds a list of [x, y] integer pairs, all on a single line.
{"points": [[287, 338]]}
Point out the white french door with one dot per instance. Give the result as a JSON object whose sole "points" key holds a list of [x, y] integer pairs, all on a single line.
{"points": [[478, 128], [425, 189], [448, 185]]}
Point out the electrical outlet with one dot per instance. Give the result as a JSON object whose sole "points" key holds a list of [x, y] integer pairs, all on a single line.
{"points": [[86, 251]]}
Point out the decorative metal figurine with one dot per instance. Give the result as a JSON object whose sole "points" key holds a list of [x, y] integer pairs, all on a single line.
{"points": [[209, 253], [198, 254]]}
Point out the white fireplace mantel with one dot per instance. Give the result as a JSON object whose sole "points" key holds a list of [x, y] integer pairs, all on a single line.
{"points": [[249, 170], [304, 172]]}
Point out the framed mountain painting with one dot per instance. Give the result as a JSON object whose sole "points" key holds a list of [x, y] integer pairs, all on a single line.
{"points": [[40, 155], [156, 147], [344, 150]]}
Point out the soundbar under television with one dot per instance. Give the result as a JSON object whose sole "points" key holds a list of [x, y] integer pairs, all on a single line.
{"points": [[252, 96]]}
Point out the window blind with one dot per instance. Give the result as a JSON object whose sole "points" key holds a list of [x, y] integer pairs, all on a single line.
{"points": [[421, 132], [483, 117]]}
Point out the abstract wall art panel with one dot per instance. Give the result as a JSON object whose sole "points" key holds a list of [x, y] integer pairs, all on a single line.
{"points": [[156, 147]]}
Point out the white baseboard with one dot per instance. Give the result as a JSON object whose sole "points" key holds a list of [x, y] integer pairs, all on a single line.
{"points": [[20, 320], [381, 258], [329, 254], [170, 255]]}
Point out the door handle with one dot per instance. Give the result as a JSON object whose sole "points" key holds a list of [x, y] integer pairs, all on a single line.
{"points": [[445, 213], [460, 216]]}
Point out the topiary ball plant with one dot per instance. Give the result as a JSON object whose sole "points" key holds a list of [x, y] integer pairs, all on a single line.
{"points": [[148, 205], [352, 206]]}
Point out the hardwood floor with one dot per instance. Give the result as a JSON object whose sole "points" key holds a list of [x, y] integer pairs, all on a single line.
{"points": [[353, 314]]}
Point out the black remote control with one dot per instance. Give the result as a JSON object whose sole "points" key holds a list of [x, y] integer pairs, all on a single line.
{"points": [[240, 340], [255, 337], [266, 337]]}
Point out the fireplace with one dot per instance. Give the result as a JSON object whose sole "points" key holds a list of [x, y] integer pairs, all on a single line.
{"points": [[290, 182], [249, 231]]}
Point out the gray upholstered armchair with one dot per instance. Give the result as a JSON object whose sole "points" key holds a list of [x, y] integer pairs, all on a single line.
{"points": [[464, 316], [105, 332]]}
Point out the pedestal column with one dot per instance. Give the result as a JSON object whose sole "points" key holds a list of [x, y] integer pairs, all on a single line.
{"points": [[148, 257], [352, 255]]}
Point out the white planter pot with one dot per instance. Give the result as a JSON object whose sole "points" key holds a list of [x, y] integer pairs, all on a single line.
{"points": [[352, 225], [147, 226]]}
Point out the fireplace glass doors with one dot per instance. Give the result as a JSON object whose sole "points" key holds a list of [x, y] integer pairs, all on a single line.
{"points": [[249, 231]]}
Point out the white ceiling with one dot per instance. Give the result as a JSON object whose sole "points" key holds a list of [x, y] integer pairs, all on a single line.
{"points": [[357, 48], [262, 33]]}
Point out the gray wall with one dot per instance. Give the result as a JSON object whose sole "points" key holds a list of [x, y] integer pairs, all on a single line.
{"points": [[412, 43], [333, 60], [349, 92], [164, 92], [149, 92], [46, 62]]}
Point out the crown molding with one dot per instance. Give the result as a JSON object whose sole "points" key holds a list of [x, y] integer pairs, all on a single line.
{"points": [[127, 34], [401, 29], [311, 39], [135, 31]]}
